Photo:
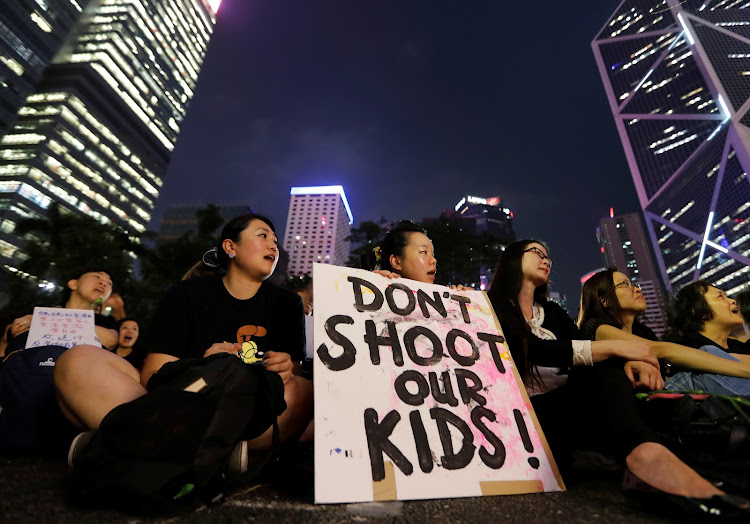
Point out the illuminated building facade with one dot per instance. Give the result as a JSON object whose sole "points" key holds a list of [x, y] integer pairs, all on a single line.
{"points": [[317, 227], [98, 133], [31, 32], [677, 76], [624, 245], [488, 215]]}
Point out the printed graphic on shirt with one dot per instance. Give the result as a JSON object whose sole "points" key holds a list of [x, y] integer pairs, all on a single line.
{"points": [[250, 353]]}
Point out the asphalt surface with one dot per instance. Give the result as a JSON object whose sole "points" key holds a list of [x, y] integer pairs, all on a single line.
{"points": [[33, 490]]}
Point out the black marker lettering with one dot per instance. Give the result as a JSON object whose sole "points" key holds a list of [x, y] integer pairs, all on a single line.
{"points": [[424, 453], [462, 301], [450, 345], [347, 358], [411, 300], [423, 389], [437, 348], [469, 392], [436, 302], [493, 341], [497, 459], [378, 443], [359, 301], [451, 460], [374, 341], [446, 396]]}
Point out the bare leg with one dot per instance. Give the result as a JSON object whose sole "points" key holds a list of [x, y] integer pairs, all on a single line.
{"points": [[298, 394], [660, 468], [90, 382]]}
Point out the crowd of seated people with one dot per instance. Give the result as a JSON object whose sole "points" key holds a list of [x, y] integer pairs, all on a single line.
{"points": [[561, 363]]}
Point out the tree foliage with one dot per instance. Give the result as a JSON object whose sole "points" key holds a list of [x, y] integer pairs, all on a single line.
{"points": [[365, 238]]}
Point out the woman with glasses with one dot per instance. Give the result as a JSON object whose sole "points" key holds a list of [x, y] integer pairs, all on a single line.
{"points": [[595, 407], [611, 304]]}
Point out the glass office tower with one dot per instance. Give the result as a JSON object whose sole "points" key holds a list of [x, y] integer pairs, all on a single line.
{"points": [[677, 76], [31, 32], [98, 133]]}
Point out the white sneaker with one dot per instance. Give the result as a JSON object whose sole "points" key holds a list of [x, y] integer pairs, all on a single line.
{"points": [[237, 462], [79, 443]]}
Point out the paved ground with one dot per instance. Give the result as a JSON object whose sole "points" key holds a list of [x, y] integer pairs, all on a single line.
{"points": [[33, 491]]}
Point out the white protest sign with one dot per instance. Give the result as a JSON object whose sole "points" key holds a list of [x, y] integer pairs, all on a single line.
{"points": [[53, 326], [416, 395]]}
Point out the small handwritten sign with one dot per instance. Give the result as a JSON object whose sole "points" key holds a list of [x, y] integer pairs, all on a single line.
{"points": [[417, 396], [51, 326]]}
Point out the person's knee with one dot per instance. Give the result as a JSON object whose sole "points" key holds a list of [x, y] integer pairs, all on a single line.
{"points": [[645, 453], [73, 361], [298, 394]]}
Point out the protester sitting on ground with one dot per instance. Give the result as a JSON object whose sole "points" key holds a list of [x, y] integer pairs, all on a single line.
{"points": [[128, 347], [702, 317], [595, 408], [30, 421], [610, 305], [87, 291], [203, 317]]}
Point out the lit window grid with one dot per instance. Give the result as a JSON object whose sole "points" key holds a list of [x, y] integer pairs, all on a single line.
{"points": [[305, 239], [677, 252], [107, 161], [69, 171], [153, 68]]}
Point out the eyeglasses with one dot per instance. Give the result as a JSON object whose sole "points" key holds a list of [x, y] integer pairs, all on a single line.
{"points": [[627, 284], [541, 254]]}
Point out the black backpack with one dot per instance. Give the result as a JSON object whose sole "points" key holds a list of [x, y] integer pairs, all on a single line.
{"points": [[711, 433], [171, 445], [30, 421]]}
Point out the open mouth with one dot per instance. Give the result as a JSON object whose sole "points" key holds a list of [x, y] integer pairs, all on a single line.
{"points": [[127, 338], [735, 310], [432, 273], [272, 258]]}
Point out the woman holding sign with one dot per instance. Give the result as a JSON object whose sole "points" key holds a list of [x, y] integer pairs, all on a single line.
{"points": [[595, 406]]}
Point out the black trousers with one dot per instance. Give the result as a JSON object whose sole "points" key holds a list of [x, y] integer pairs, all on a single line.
{"points": [[596, 409]]}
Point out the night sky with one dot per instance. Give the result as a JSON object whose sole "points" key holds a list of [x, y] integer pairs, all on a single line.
{"points": [[410, 105]]}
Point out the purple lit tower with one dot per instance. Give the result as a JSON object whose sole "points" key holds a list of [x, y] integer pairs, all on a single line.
{"points": [[677, 77]]}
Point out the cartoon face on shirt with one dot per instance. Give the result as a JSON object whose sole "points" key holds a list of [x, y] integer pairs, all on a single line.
{"points": [[249, 353]]}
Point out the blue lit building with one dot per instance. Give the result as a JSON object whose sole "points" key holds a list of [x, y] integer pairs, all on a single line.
{"points": [[98, 132], [677, 77]]}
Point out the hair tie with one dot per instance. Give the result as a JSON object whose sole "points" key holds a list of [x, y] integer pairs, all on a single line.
{"points": [[211, 257], [376, 250]]}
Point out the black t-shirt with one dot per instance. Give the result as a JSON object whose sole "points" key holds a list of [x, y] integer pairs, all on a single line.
{"points": [[698, 341], [195, 314], [19, 341]]}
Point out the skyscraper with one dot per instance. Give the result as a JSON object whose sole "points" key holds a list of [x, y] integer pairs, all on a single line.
{"points": [[31, 32], [623, 243], [677, 76], [317, 226], [488, 215], [98, 133]]}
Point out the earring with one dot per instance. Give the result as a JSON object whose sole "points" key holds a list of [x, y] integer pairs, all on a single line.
{"points": [[231, 255]]}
